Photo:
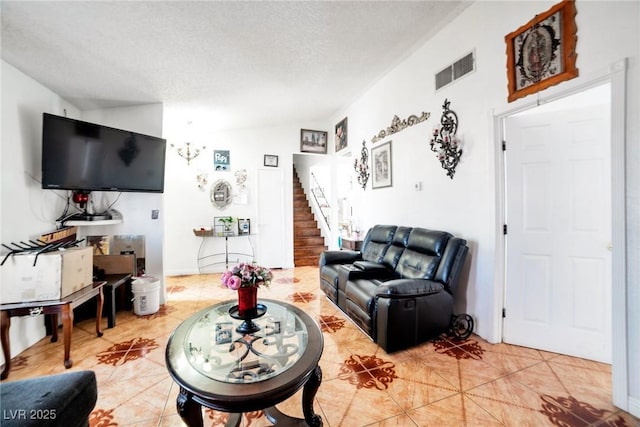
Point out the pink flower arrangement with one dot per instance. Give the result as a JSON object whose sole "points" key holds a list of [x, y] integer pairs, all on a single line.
{"points": [[246, 275]]}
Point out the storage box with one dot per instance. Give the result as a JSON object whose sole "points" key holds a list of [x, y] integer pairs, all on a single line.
{"points": [[55, 275], [116, 264]]}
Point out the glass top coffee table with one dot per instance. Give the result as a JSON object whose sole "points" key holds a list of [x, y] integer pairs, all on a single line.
{"points": [[219, 365]]}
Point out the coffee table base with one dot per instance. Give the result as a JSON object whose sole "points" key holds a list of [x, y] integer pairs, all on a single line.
{"points": [[191, 411]]}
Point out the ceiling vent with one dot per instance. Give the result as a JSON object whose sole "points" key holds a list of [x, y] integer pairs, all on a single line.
{"points": [[456, 70]]}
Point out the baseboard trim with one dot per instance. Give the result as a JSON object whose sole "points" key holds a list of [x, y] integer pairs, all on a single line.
{"points": [[634, 406]]}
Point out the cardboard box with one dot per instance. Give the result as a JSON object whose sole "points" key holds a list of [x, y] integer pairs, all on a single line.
{"points": [[116, 264], [55, 275]]}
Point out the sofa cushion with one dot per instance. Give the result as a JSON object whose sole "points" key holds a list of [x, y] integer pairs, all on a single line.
{"points": [[421, 257], [414, 265], [428, 242], [64, 399], [398, 244], [377, 241]]}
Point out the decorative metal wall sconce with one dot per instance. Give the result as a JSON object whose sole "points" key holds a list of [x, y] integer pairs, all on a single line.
{"points": [[203, 179], [361, 166], [186, 153], [444, 141]]}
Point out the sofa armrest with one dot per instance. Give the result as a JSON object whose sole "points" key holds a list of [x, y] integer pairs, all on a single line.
{"points": [[339, 257], [402, 288]]}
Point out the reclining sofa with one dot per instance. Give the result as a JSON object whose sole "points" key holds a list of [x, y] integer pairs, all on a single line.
{"points": [[399, 287]]}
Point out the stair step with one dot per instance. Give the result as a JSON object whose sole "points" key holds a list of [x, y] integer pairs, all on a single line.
{"points": [[303, 241], [310, 251], [308, 242], [311, 261], [305, 232], [309, 220]]}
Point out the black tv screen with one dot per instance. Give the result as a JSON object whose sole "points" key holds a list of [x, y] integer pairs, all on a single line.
{"points": [[83, 156]]}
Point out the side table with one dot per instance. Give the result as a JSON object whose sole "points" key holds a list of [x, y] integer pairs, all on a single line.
{"points": [[52, 308], [113, 281], [352, 244], [218, 366]]}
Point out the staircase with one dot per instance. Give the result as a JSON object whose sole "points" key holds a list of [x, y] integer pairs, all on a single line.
{"points": [[308, 243]]}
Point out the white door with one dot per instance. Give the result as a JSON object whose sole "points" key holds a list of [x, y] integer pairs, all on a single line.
{"points": [[271, 220], [558, 191]]}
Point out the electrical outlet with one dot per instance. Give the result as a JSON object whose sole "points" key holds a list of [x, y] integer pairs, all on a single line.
{"points": [[418, 186], [155, 213]]}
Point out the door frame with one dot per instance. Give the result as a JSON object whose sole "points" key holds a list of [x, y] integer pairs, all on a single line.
{"points": [[616, 76]]}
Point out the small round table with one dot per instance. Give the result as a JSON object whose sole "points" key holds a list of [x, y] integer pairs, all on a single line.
{"points": [[220, 368]]}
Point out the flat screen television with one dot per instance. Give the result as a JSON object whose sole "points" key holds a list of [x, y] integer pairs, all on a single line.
{"points": [[87, 157]]}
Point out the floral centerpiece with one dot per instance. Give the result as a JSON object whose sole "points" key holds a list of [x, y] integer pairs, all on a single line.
{"points": [[246, 279]]}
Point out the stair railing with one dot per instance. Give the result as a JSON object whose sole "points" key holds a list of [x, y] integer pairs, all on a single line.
{"points": [[320, 199]]}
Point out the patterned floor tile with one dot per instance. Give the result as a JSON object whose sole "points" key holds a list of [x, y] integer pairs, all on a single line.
{"points": [[443, 382]]}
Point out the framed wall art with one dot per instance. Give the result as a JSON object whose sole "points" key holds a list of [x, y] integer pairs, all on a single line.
{"points": [[271, 160], [542, 53], [313, 141], [244, 226], [381, 166], [341, 135], [221, 160]]}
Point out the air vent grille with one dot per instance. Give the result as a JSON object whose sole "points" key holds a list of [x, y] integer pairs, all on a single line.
{"points": [[444, 77], [456, 70]]}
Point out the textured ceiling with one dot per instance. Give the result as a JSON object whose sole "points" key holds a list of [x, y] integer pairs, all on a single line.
{"points": [[241, 63]]}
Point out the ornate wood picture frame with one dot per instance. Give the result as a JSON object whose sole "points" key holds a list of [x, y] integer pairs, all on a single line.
{"points": [[542, 53]]}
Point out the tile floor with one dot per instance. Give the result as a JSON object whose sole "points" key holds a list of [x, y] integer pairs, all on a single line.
{"points": [[440, 383]]}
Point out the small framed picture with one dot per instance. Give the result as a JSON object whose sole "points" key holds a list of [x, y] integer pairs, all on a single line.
{"points": [[223, 333], [381, 165], [244, 226], [271, 160], [313, 141], [341, 135], [221, 160]]}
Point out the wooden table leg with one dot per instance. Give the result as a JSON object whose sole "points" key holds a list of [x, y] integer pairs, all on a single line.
{"points": [[308, 394], [5, 323], [111, 306], [190, 411], [99, 312], [67, 330], [53, 322]]}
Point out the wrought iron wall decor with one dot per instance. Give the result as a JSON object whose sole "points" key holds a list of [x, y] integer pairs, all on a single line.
{"points": [[397, 125], [361, 166], [444, 141]]}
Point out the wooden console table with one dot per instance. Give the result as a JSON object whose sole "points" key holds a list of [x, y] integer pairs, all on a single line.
{"points": [[52, 308], [353, 244]]}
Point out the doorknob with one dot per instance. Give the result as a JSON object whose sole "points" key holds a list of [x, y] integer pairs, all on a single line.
{"points": [[610, 247]]}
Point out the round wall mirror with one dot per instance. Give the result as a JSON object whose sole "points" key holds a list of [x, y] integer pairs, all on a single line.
{"points": [[221, 195]]}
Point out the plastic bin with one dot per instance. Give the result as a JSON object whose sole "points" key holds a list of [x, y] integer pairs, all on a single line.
{"points": [[146, 295]]}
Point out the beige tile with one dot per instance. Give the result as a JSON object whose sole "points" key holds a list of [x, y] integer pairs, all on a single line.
{"points": [[344, 404], [456, 410], [443, 382]]}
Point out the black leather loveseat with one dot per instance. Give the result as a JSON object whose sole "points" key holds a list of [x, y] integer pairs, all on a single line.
{"points": [[399, 287]]}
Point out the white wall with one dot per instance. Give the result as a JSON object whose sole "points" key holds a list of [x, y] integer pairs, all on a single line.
{"points": [[466, 206], [188, 206], [25, 209], [135, 207]]}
